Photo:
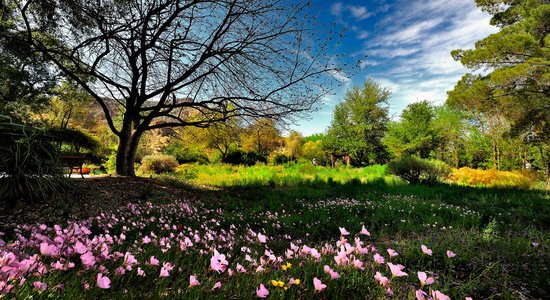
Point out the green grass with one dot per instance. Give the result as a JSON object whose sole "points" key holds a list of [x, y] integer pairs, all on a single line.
{"points": [[492, 231]]}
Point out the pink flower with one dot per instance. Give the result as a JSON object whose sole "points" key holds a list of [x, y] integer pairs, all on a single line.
{"points": [[262, 292], [80, 248], [424, 279], [146, 240], [333, 275], [193, 281], [392, 252], [358, 264], [364, 231], [153, 261], [218, 263], [437, 295], [343, 231], [216, 286], [240, 268], [397, 270], [46, 249], [421, 295], [450, 254], [88, 259], [103, 282], [425, 250], [164, 272], [140, 272], [468, 298], [40, 286], [384, 281], [319, 286], [262, 238], [378, 258]]}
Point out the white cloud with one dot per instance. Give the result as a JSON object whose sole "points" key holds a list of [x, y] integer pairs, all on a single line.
{"points": [[362, 34], [359, 12], [336, 9]]}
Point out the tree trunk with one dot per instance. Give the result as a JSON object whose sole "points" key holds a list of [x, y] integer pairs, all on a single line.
{"points": [[126, 152]]}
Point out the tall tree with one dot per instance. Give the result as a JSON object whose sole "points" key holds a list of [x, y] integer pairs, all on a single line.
{"points": [[162, 59], [519, 59], [262, 137], [415, 133], [26, 78], [359, 123]]}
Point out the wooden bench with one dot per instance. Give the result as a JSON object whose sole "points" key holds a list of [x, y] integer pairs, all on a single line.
{"points": [[74, 162]]}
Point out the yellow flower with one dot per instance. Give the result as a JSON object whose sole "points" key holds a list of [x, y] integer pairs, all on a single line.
{"points": [[286, 288], [274, 282], [286, 266], [281, 284], [297, 281]]}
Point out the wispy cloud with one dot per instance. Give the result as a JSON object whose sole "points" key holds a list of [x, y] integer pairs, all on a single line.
{"points": [[359, 12], [418, 44]]}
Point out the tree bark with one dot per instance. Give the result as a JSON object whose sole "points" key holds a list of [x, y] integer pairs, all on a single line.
{"points": [[127, 149]]}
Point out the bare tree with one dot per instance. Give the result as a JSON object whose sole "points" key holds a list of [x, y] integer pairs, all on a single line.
{"points": [[163, 60]]}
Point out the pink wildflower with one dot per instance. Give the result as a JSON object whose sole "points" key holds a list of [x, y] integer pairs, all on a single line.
{"points": [[384, 281], [216, 286], [450, 254], [262, 292], [437, 295], [343, 231], [193, 281], [88, 259], [378, 259], [424, 279], [392, 252], [364, 231], [262, 238], [397, 270], [425, 250], [153, 261], [421, 295], [103, 282], [38, 285], [319, 286]]}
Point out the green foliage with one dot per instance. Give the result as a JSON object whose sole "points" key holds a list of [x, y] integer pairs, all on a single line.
{"points": [[158, 164], [359, 123], [518, 86], [185, 154], [415, 133], [417, 170], [240, 157], [29, 160], [279, 159]]}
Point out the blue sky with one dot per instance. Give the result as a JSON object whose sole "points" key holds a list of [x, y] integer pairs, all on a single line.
{"points": [[408, 44]]}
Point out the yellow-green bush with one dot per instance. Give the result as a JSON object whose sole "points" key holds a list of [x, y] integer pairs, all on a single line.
{"points": [[158, 164], [493, 178]]}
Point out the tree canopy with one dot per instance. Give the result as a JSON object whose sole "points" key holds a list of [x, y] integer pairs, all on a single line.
{"points": [[159, 60], [359, 123]]}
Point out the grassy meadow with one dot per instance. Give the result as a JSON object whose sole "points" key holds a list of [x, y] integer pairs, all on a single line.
{"points": [[249, 231]]}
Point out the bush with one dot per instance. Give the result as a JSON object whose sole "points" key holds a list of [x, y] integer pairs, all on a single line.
{"points": [[415, 170], [493, 178], [239, 157], [30, 163], [279, 159], [158, 164]]}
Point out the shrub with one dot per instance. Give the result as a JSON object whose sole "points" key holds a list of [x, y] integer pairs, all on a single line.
{"points": [[30, 163], [493, 178], [279, 159], [158, 164], [415, 170], [239, 157]]}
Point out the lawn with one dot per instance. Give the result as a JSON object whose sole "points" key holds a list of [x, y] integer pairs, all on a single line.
{"points": [[243, 232]]}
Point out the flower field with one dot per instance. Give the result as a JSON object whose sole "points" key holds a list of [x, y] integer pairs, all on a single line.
{"points": [[236, 245]]}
